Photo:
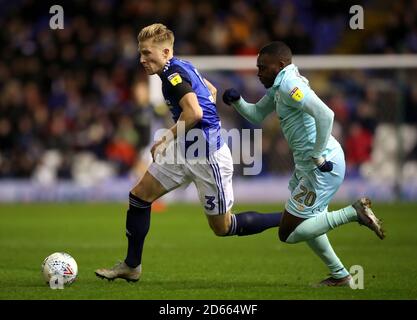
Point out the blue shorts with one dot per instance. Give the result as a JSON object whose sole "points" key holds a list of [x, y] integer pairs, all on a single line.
{"points": [[312, 190]]}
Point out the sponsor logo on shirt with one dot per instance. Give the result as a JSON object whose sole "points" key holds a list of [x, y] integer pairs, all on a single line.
{"points": [[175, 78], [296, 94]]}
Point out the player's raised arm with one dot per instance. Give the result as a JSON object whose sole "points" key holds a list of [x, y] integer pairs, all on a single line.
{"points": [[178, 92], [253, 112], [315, 107], [300, 95], [191, 110], [181, 90], [190, 115], [212, 89]]}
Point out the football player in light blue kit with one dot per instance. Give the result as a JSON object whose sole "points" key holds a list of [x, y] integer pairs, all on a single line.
{"points": [[319, 159]]}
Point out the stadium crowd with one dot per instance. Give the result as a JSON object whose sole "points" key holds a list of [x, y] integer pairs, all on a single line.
{"points": [[80, 90]]}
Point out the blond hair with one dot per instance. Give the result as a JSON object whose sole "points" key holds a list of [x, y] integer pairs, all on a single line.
{"points": [[158, 33]]}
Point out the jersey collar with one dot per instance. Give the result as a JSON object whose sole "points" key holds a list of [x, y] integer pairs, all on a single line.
{"points": [[168, 64], [280, 75]]}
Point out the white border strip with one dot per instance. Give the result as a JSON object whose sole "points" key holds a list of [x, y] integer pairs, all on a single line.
{"points": [[318, 62]]}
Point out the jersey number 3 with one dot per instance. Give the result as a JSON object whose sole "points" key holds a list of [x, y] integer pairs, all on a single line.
{"points": [[210, 203]]}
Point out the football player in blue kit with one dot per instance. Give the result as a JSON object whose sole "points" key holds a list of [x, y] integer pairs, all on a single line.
{"points": [[191, 100]]}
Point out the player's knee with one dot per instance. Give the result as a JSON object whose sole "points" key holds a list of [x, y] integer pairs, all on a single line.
{"points": [[220, 230], [148, 189], [283, 235], [142, 194], [137, 192], [144, 191]]}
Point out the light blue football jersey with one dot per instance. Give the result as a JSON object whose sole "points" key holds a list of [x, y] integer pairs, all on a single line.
{"points": [[289, 92]]}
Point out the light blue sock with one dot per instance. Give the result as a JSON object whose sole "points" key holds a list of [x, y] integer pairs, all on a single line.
{"points": [[322, 223], [322, 247]]}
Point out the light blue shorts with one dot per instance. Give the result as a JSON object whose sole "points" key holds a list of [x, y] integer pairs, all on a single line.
{"points": [[312, 190]]}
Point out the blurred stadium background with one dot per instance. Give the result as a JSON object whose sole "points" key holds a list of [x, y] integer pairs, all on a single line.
{"points": [[77, 112]]}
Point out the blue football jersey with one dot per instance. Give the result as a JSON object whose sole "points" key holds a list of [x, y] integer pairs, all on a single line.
{"points": [[175, 74]]}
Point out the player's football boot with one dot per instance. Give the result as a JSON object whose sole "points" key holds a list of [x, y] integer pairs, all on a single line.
{"points": [[333, 282], [120, 270], [367, 218]]}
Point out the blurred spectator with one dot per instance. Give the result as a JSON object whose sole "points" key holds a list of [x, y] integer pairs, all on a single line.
{"points": [[410, 115], [78, 93], [399, 32], [358, 146]]}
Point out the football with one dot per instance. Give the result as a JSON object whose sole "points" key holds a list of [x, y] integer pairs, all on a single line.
{"points": [[59, 269]]}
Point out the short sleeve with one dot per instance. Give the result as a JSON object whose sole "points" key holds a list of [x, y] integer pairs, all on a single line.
{"points": [[177, 75], [178, 81]]}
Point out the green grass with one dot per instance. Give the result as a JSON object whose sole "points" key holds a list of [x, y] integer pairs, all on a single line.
{"points": [[183, 259]]}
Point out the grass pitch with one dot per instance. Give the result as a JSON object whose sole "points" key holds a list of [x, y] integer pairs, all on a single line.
{"points": [[183, 259]]}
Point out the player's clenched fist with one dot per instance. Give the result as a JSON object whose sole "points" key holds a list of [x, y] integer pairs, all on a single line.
{"points": [[326, 166], [230, 96], [159, 148], [323, 164]]}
